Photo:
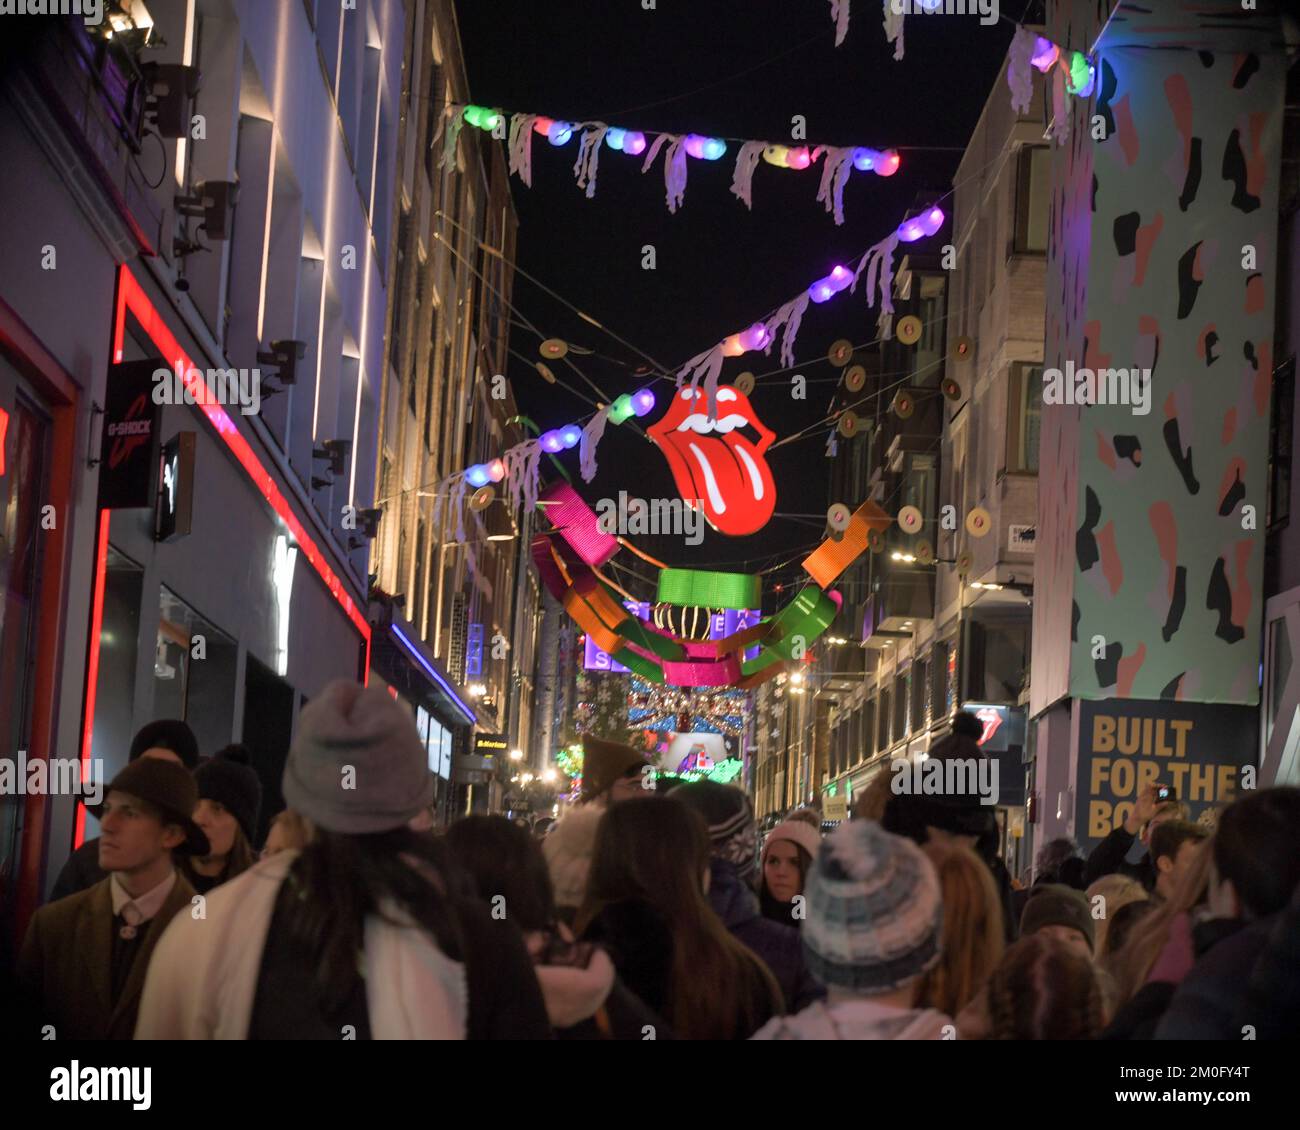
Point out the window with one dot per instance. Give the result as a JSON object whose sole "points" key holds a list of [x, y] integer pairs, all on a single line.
{"points": [[920, 693], [1282, 420], [430, 407], [1031, 199], [884, 718], [939, 681], [868, 745], [900, 706], [1024, 414]]}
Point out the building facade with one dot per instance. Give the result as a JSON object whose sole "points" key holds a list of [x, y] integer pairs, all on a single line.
{"points": [[205, 189]]}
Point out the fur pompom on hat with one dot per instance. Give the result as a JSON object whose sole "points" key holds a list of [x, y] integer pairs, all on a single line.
{"points": [[569, 847]]}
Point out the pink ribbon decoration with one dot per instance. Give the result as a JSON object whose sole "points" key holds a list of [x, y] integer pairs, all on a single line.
{"points": [[722, 673], [577, 523]]}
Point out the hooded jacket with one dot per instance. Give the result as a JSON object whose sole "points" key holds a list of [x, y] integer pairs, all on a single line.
{"points": [[778, 946]]}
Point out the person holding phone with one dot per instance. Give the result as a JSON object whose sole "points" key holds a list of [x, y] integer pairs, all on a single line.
{"points": [[1155, 804]]}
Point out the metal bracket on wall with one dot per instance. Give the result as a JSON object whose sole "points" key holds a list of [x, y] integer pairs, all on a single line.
{"points": [[95, 410]]}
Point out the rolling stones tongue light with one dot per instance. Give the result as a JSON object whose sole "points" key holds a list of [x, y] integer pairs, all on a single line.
{"points": [[717, 466]]}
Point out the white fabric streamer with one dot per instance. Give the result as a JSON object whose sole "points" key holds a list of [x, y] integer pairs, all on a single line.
{"points": [[1020, 74], [894, 28], [459, 485], [878, 262], [589, 157], [520, 147], [840, 14], [742, 181], [787, 319], [592, 434], [709, 366], [835, 175], [674, 166], [453, 119], [521, 473]]}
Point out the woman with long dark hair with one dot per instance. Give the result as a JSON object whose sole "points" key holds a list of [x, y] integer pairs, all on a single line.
{"points": [[585, 1000], [646, 904], [360, 935]]}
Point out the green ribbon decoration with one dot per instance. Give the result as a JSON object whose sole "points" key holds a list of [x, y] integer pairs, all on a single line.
{"points": [[706, 589]]}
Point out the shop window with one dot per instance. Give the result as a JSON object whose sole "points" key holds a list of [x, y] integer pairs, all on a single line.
{"points": [[194, 672], [901, 720], [868, 744], [1032, 194], [920, 693], [884, 718], [1025, 406]]}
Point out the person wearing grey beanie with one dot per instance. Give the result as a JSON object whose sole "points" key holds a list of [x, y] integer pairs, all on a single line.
{"points": [[874, 926], [365, 931]]}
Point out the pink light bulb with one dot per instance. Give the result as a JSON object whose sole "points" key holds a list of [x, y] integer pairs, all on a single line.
{"points": [[633, 143], [496, 470], [1045, 54], [798, 158], [889, 163], [755, 337]]}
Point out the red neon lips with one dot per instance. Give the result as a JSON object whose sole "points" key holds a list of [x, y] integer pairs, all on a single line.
{"points": [[714, 463]]}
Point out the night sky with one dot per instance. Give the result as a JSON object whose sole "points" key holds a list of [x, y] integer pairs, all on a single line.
{"points": [[727, 68]]}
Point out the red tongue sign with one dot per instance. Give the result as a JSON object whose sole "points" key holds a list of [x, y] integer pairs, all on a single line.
{"points": [[713, 462]]}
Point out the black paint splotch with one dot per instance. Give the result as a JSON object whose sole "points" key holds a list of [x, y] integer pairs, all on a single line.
{"points": [[1187, 285], [1232, 496], [1085, 541], [1128, 447], [1126, 229], [1211, 340], [1075, 613], [1108, 665], [1245, 72], [1182, 460], [1218, 598], [1170, 689], [1105, 92], [1234, 170], [1192, 182], [1177, 605]]}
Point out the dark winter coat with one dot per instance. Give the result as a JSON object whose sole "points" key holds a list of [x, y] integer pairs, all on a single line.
{"points": [[1272, 1001], [640, 941], [1108, 858], [1207, 1002], [779, 946], [80, 872]]}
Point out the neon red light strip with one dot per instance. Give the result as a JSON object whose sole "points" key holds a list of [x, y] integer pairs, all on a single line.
{"points": [[92, 668], [131, 296]]}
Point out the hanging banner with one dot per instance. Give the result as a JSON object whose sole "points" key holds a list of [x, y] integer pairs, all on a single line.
{"points": [[1198, 749], [129, 444]]}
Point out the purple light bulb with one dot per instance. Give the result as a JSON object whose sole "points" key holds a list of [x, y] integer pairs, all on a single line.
{"points": [[643, 401], [552, 441]]}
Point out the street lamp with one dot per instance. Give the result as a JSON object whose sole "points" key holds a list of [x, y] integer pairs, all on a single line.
{"points": [[516, 755], [549, 776], [526, 779]]}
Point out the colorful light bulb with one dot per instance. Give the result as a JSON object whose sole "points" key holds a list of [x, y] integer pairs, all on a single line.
{"points": [[932, 220], [570, 436], [633, 143], [731, 346], [889, 162], [1045, 54], [496, 470], [621, 409], [753, 338], [482, 117], [776, 155], [695, 146], [840, 277], [799, 158], [559, 133], [614, 137], [821, 290], [864, 159], [1081, 75], [714, 147], [551, 441], [643, 401], [909, 231], [542, 125], [477, 476]]}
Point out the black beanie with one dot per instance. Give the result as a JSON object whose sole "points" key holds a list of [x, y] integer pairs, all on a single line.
{"points": [[228, 778], [167, 733]]}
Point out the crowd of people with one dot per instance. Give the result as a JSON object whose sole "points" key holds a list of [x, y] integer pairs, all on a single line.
{"points": [[643, 912]]}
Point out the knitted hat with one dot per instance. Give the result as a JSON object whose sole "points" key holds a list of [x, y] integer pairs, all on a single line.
{"points": [[569, 847], [874, 911], [604, 762], [961, 814], [796, 831], [733, 835], [356, 764], [169, 788], [1052, 904], [166, 733], [228, 778]]}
